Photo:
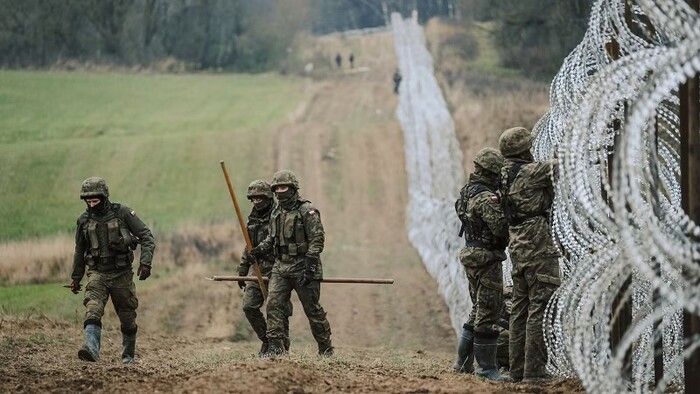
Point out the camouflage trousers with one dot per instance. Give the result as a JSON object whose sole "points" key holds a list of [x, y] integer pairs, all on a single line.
{"points": [[534, 282], [486, 292], [120, 286], [252, 303], [502, 349], [279, 294]]}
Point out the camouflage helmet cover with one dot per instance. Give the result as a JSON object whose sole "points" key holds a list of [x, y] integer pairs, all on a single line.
{"points": [[489, 159], [94, 187], [515, 141], [284, 177], [259, 188]]}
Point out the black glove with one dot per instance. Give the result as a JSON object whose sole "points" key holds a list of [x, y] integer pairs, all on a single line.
{"points": [[311, 266], [143, 272], [242, 271], [257, 252], [75, 286]]}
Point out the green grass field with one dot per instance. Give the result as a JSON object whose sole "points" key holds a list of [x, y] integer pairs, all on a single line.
{"points": [[156, 139]]}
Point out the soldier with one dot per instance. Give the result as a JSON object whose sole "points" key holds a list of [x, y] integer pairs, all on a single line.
{"points": [[527, 192], [338, 60], [485, 234], [397, 81], [260, 194], [106, 235], [296, 239]]}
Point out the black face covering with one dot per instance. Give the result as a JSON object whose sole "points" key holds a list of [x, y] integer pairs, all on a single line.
{"points": [[263, 205], [283, 197], [99, 207]]}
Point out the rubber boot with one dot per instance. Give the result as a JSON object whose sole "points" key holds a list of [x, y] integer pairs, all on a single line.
{"points": [[129, 348], [91, 348], [264, 348], [275, 348], [485, 354], [465, 351]]}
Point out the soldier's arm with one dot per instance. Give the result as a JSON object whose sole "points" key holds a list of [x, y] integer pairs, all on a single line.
{"points": [[139, 229], [79, 255], [541, 174], [314, 231], [492, 214]]}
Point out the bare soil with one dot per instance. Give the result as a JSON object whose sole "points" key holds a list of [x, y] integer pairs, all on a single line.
{"points": [[347, 148]]}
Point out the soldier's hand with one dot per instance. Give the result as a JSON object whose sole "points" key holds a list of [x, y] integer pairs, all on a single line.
{"points": [[241, 284], [311, 266], [256, 252], [75, 286], [143, 272], [247, 257]]}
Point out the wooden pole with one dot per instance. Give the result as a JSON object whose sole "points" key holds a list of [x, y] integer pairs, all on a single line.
{"points": [[375, 281], [244, 228]]}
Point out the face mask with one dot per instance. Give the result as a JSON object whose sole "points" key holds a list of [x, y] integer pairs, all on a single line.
{"points": [[98, 207], [263, 204], [285, 195]]}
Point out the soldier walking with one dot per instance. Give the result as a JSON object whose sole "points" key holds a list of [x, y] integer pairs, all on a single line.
{"points": [[106, 235], [528, 192], [260, 194], [485, 234], [296, 239]]}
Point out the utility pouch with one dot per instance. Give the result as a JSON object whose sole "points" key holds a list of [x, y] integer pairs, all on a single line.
{"points": [[288, 226], [293, 250]]}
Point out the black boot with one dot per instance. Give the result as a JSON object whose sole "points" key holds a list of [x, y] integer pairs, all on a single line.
{"points": [[91, 348], [485, 354], [264, 348], [129, 348], [465, 351]]}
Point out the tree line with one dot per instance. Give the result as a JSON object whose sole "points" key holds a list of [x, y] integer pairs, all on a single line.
{"points": [[243, 35]]}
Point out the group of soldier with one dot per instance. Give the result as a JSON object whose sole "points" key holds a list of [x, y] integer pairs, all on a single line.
{"points": [[506, 203], [287, 236]]}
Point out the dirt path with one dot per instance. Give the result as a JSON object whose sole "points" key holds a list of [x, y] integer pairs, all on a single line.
{"points": [[346, 147]]}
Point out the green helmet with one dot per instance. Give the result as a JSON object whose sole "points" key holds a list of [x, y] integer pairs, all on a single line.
{"points": [[489, 159], [284, 177], [259, 188], [515, 141], [94, 187]]}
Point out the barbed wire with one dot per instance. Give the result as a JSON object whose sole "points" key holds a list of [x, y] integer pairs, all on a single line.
{"points": [[614, 126]]}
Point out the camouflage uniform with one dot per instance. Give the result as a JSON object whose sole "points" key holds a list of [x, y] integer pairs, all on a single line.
{"points": [[528, 193], [503, 324], [296, 239], [485, 232], [104, 242], [258, 229]]}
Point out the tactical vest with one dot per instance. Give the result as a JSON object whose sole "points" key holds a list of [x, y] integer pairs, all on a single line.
{"points": [[475, 231], [291, 240], [110, 243], [513, 215], [259, 229]]}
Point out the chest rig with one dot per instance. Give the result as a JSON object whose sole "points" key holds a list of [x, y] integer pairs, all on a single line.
{"points": [[475, 231], [109, 239], [291, 240]]}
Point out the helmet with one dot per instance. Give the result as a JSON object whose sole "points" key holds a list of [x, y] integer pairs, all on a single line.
{"points": [[489, 159], [284, 177], [94, 187], [259, 188], [515, 141]]}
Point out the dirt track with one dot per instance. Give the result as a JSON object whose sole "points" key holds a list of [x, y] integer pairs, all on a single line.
{"points": [[346, 147]]}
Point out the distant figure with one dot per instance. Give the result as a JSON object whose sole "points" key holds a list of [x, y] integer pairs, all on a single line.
{"points": [[338, 60], [397, 81], [352, 60]]}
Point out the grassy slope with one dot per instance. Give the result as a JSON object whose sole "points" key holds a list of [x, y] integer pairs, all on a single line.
{"points": [[157, 139]]}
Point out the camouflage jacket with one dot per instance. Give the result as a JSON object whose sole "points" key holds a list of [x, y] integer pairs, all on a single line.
{"points": [[258, 229], [487, 233], [528, 192], [104, 241], [295, 233]]}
